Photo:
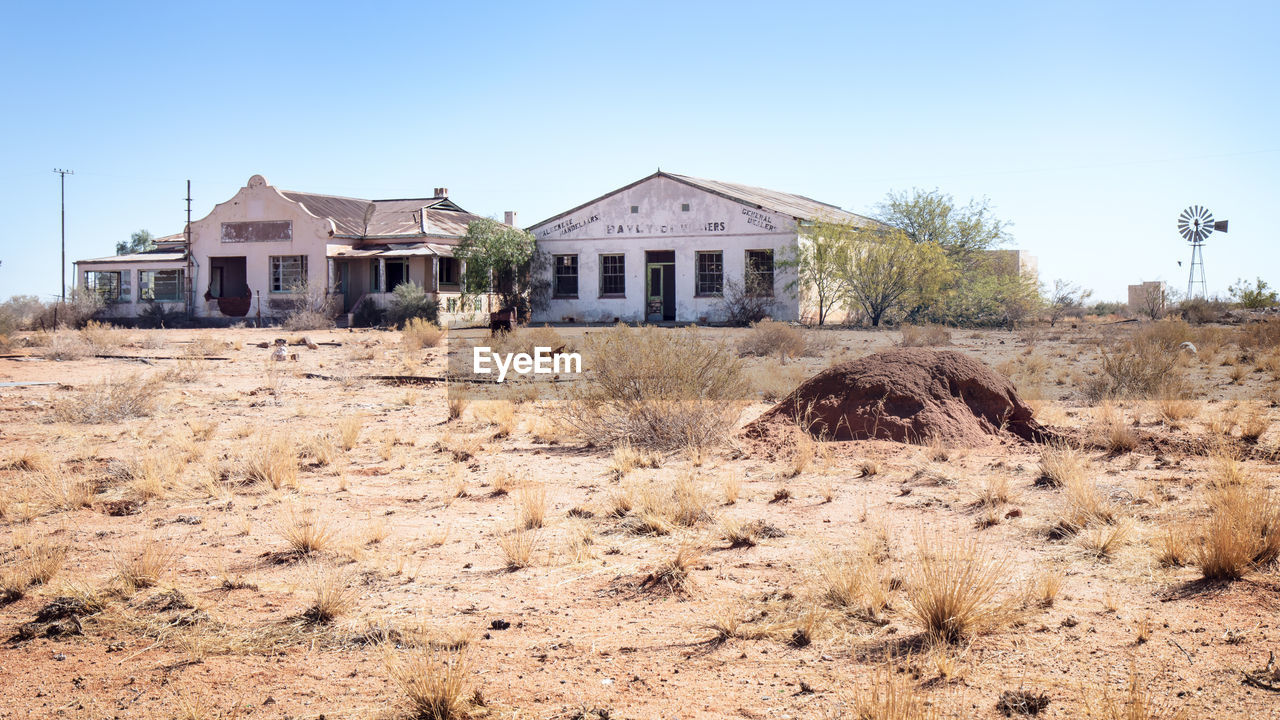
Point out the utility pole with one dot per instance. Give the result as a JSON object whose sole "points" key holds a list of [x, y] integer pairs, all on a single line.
{"points": [[63, 181], [188, 280]]}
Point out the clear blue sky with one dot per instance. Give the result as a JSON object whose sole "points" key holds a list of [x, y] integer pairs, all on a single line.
{"points": [[1088, 125]]}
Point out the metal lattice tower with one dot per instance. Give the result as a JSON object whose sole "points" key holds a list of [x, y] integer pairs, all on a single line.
{"points": [[1195, 224]]}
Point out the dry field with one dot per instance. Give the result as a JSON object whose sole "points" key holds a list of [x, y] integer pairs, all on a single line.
{"points": [[205, 533]]}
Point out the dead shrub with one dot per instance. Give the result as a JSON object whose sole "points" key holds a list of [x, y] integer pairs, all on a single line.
{"points": [[770, 337], [954, 588], [924, 336], [656, 388], [1142, 366], [109, 401], [65, 345], [419, 333], [527, 339]]}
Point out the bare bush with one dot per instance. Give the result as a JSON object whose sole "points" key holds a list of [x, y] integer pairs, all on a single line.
{"points": [[769, 337], [925, 336], [656, 388], [109, 401]]}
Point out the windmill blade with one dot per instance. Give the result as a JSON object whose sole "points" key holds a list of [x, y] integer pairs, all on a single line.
{"points": [[1220, 226]]}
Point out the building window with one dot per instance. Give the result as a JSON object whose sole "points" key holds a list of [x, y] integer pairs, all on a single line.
{"points": [[566, 276], [447, 271], [160, 285], [710, 266], [684, 207], [288, 273], [613, 275], [112, 286], [759, 277], [635, 209]]}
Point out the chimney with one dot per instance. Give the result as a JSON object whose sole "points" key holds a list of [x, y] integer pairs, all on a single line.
{"points": [[510, 218], [442, 192]]}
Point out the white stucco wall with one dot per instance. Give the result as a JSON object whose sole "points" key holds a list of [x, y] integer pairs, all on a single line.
{"points": [[711, 223], [258, 201], [131, 306]]}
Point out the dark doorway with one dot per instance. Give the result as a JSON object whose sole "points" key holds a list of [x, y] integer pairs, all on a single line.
{"points": [[660, 286], [227, 278]]}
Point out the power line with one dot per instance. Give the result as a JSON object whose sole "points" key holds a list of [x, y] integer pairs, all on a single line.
{"points": [[62, 180]]}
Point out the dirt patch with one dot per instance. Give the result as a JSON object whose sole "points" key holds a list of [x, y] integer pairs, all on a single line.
{"points": [[907, 395]]}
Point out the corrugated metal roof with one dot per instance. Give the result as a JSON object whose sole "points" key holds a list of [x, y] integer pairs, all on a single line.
{"points": [[139, 257], [385, 219], [797, 206]]}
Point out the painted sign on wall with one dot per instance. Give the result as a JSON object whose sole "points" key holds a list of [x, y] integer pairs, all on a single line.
{"points": [[257, 231]]}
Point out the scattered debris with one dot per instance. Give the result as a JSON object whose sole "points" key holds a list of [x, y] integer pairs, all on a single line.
{"points": [[1022, 702]]}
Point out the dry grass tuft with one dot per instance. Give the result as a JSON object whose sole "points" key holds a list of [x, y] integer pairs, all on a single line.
{"points": [[331, 591], [1113, 432], [1102, 541], [272, 461], [349, 431], [517, 548], [1061, 464], [954, 587], [531, 505], [890, 695], [304, 531], [144, 563], [672, 574], [109, 401], [433, 681], [60, 489], [1242, 533], [856, 582]]}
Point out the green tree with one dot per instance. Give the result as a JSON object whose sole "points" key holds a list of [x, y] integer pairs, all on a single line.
{"points": [[497, 259], [887, 270], [817, 260], [140, 241], [934, 217], [1259, 295]]}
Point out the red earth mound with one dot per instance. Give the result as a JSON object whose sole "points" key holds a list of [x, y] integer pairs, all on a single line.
{"points": [[907, 395]]}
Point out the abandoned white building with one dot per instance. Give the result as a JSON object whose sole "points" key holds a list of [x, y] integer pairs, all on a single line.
{"points": [[665, 247], [255, 255]]}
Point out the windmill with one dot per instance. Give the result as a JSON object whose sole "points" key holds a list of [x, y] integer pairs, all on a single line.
{"points": [[1195, 224]]}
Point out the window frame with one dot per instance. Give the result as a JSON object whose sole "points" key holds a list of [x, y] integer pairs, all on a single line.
{"points": [[698, 272], [748, 271], [144, 287], [620, 274], [275, 266], [556, 276], [123, 292], [452, 263]]}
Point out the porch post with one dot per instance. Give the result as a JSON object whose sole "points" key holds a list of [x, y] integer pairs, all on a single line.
{"points": [[382, 274], [332, 277], [434, 281]]}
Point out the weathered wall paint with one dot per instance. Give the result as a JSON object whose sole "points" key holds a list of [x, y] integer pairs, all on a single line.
{"points": [[712, 222]]}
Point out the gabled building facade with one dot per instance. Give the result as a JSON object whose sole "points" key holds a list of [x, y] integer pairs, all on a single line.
{"points": [[264, 251], [666, 247]]}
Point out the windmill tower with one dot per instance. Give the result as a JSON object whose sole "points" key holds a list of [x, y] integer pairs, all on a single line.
{"points": [[1195, 224]]}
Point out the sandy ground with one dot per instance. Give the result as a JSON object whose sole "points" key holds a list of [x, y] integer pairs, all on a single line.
{"points": [[416, 543]]}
